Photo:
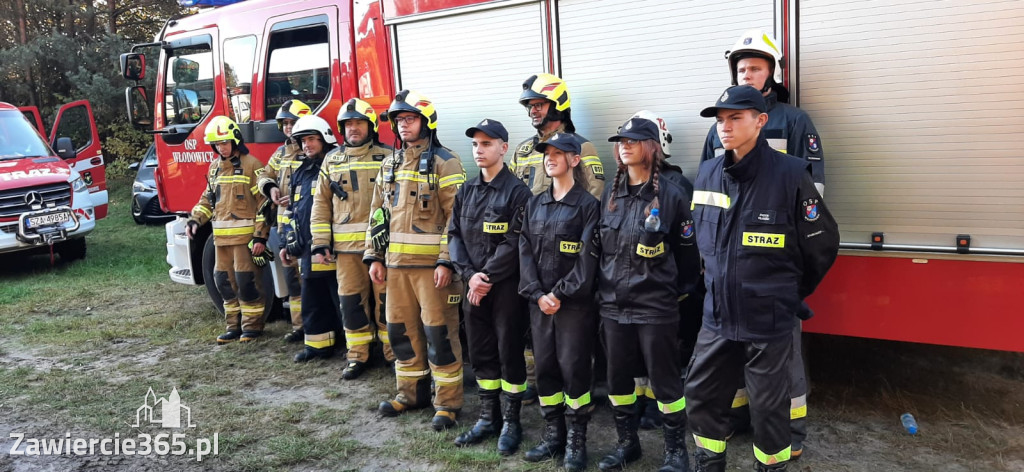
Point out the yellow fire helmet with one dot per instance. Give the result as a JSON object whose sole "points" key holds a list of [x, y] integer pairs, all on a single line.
{"points": [[291, 110], [356, 109], [222, 128], [408, 100], [547, 87], [756, 43]]}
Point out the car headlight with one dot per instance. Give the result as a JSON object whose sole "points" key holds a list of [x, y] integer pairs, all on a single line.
{"points": [[78, 185], [139, 187]]}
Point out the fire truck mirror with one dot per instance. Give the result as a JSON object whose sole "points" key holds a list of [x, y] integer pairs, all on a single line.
{"points": [[64, 148], [139, 113], [133, 66]]}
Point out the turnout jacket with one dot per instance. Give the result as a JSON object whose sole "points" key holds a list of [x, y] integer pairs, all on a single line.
{"points": [[303, 186], [528, 164], [420, 204], [277, 173], [767, 240], [558, 251], [339, 224], [644, 274], [231, 200], [789, 130], [486, 220]]}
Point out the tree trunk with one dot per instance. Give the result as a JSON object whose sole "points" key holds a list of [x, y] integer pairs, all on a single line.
{"points": [[112, 16], [23, 40]]}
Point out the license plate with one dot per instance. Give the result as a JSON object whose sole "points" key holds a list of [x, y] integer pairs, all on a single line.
{"points": [[49, 219]]}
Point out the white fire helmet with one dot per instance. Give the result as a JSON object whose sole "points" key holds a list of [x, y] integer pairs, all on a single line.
{"points": [[756, 43], [311, 124], [664, 136]]}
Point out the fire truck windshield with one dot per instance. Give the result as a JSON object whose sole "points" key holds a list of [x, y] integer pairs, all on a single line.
{"points": [[188, 87], [18, 138]]}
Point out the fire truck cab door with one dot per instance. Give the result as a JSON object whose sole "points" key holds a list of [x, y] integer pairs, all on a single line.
{"points": [[33, 116], [75, 121]]}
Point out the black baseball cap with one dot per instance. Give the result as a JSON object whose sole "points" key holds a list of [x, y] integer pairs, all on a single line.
{"points": [[737, 97], [639, 129], [567, 142], [492, 128]]}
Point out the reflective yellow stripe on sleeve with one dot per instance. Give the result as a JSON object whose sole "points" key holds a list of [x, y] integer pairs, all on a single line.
{"points": [[457, 179], [721, 200]]}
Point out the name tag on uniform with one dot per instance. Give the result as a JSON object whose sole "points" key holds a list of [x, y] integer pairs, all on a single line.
{"points": [[647, 251], [570, 247], [495, 228], [764, 240], [764, 217]]}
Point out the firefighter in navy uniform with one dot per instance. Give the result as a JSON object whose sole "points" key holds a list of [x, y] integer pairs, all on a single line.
{"points": [[767, 240], [755, 60], [341, 209], [320, 320], [407, 243], [239, 233], [558, 252], [273, 183], [659, 260], [483, 240]]}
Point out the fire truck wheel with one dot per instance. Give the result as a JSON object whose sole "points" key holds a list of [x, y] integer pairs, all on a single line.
{"points": [[71, 250], [273, 304]]}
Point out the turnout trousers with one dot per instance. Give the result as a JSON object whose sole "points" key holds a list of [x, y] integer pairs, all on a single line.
{"points": [[423, 327], [238, 281], [564, 345], [362, 308], [715, 372], [654, 346], [494, 331], [320, 320], [294, 283]]}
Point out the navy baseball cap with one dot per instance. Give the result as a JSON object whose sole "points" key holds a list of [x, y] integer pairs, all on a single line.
{"points": [[492, 128], [638, 129], [737, 97], [567, 142]]}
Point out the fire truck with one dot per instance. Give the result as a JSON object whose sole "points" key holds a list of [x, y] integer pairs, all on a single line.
{"points": [[50, 195], [916, 105]]}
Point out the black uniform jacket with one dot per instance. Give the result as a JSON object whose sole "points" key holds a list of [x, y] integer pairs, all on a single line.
{"points": [[303, 186], [643, 274], [558, 251], [766, 238], [484, 233]]}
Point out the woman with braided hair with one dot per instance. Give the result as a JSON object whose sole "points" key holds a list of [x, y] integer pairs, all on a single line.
{"points": [[648, 262]]}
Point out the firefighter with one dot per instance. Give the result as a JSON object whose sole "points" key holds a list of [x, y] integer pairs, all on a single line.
{"points": [[647, 247], [273, 183], [558, 254], [341, 208], [407, 243], [239, 233], [320, 321], [483, 240], [755, 60], [767, 240], [546, 98]]}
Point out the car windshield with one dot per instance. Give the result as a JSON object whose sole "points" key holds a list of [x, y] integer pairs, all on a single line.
{"points": [[18, 138], [150, 159]]}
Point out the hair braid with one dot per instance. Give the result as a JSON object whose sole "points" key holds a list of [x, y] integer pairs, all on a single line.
{"points": [[655, 173]]}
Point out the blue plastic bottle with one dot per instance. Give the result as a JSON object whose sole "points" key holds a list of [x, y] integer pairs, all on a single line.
{"points": [[653, 223], [909, 423]]}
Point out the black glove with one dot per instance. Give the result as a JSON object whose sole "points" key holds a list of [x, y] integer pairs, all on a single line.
{"points": [[269, 212], [264, 257], [380, 223], [291, 244], [192, 224]]}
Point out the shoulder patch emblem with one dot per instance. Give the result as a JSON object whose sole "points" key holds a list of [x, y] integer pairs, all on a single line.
{"points": [[687, 230], [812, 143], [811, 210]]}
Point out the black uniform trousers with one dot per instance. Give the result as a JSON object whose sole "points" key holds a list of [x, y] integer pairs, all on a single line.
{"points": [[563, 349], [495, 331], [321, 319], [654, 346], [715, 372]]}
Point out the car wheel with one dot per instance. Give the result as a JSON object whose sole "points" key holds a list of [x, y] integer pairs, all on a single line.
{"points": [[72, 249], [137, 211]]}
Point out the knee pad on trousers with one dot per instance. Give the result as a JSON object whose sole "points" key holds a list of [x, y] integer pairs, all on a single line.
{"points": [[247, 285], [223, 284], [352, 314], [439, 349], [400, 343], [381, 304]]}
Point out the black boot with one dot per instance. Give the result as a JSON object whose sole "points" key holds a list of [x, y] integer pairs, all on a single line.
{"points": [[310, 353], [676, 458], [487, 425], [576, 444], [512, 431], [552, 442], [650, 415], [759, 467], [628, 447], [706, 461]]}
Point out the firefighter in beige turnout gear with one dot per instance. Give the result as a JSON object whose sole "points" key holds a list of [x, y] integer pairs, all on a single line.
{"points": [[274, 184], [341, 209], [407, 243], [239, 234]]}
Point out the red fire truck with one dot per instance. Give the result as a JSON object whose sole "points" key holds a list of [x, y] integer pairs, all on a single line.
{"points": [[916, 105]]}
